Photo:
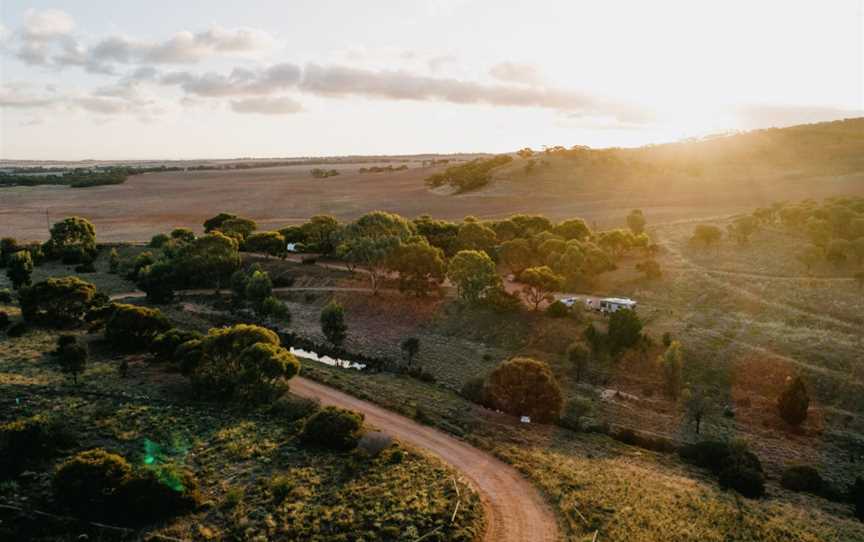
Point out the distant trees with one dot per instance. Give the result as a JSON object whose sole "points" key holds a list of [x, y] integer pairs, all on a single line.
{"points": [[333, 323], [319, 173], [794, 402], [539, 284], [524, 387], [19, 267], [468, 176], [473, 273], [636, 221], [742, 228], [706, 235]]}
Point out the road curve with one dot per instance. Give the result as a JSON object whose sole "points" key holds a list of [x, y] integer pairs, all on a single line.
{"points": [[515, 511]]}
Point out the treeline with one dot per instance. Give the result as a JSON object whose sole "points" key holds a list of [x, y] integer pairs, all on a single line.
{"points": [[319, 173], [79, 178], [468, 176], [382, 169]]}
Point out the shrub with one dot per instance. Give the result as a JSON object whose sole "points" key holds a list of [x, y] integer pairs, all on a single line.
{"points": [[57, 301], [87, 483], [579, 355], [156, 493], [64, 340], [5, 295], [73, 239], [473, 390], [374, 442], [334, 428], [19, 267], [158, 240], [188, 355], [17, 329], [802, 478], [134, 328], [77, 255], [524, 387], [113, 261], [574, 411], [501, 301], [558, 310], [671, 364], [625, 330], [794, 402], [258, 288], [272, 307], [706, 454], [26, 442], [242, 360], [292, 408], [735, 466], [165, 344], [73, 359], [333, 323], [158, 281]]}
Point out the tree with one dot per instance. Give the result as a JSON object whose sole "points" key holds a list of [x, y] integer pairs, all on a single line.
{"points": [[73, 358], [636, 221], [473, 273], [208, 260], [625, 330], [410, 347], [524, 387], [258, 288], [131, 327], [373, 255], [158, 281], [164, 345], [321, 233], [73, 233], [476, 236], [615, 242], [158, 240], [539, 283], [57, 301], [671, 364], [580, 357], [184, 235], [706, 235], [794, 402], [243, 361], [649, 268], [272, 307], [516, 255], [19, 267], [270, 243], [439, 233], [333, 427], [420, 266], [333, 323], [214, 223], [697, 406], [8, 246], [809, 257], [238, 228], [574, 228], [742, 228], [113, 261]]}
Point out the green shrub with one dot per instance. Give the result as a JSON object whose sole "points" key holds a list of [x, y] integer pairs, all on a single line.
{"points": [[334, 428], [28, 441], [156, 493], [473, 390], [78, 255], [802, 478], [736, 467], [794, 402], [188, 355], [133, 328], [19, 267], [574, 411], [625, 330], [292, 408], [57, 301], [558, 310], [87, 483], [165, 344], [274, 308]]}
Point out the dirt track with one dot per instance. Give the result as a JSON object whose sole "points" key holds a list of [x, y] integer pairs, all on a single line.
{"points": [[515, 511]]}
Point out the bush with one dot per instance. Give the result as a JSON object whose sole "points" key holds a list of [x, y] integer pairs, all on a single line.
{"points": [[26, 442], [78, 255], [735, 466], [165, 344], [707, 454], [374, 442], [574, 411], [188, 356], [57, 301], [5, 295], [625, 330], [274, 308], [64, 340], [794, 402], [802, 478], [158, 240], [87, 483], [333, 323], [134, 328], [19, 267], [292, 408], [17, 329], [473, 390], [73, 358], [157, 493], [524, 387], [557, 310], [334, 428]]}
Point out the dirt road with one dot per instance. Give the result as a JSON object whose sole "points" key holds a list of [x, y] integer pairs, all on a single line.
{"points": [[515, 511]]}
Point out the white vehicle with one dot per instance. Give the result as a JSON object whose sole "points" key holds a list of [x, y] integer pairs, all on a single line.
{"points": [[568, 301], [608, 305]]}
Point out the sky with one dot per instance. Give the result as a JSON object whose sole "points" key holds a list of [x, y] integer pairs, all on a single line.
{"points": [[161, 79]]}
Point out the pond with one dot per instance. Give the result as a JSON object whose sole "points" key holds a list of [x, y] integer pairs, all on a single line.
{"points": [[335, 362]]}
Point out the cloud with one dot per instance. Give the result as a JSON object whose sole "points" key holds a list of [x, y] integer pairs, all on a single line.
{"points": [[19, 96], [267, 106], [511, 72], [763, 115], [46, 24], [239, 82]]}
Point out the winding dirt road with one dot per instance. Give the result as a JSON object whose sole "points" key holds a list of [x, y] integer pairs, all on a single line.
{"points": [[515, 511]]}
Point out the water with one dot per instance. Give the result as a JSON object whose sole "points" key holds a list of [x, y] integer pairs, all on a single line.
{"points": [[335, 362]]}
